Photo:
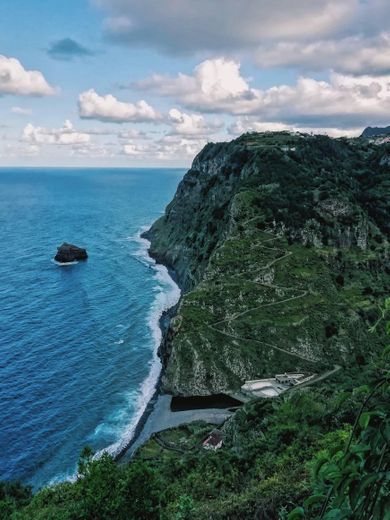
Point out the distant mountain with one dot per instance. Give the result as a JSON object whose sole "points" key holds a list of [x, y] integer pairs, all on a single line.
{"points": [[375, 131]]}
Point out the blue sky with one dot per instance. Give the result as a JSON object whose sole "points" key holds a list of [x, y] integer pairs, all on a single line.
{"points": [[131, 82]]}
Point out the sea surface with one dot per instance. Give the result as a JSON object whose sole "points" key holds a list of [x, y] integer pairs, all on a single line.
{"points": [[78, 343]]}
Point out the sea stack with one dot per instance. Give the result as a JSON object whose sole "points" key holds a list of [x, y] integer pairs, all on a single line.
{"points": [[69, 253]]}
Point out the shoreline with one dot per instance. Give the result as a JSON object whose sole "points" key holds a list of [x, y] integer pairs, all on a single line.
{"points": [[159, 407], [164, 323], [163, 418]]}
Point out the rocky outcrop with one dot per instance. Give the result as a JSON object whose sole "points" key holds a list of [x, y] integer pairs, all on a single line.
{"points": [[276, 239], [67, 253]]}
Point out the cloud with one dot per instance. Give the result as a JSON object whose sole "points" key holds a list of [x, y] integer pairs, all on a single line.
{"points": [[66, 135], [18, 150], [348, 36], [16, 80], [250, 124], [136, 150], [186, 136], [191, 125], [342, 102], [93, 150], [189, 26], [218, 86], [353, 55], [109, 109], [68, 49], [214, 84], [131, 133], [167, 148], [177, 147], [21, 111]]}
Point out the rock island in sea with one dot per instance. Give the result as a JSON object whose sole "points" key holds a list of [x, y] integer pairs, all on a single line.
{"points": [[67, 253]]}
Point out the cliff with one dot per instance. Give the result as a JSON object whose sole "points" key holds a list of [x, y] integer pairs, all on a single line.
{"points": [[280, 242]]}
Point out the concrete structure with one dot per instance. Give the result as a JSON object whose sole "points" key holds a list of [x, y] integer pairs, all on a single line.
{"points": [[289, 379], [273, 386]]}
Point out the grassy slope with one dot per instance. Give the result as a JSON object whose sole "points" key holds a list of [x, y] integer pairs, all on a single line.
{"points": [[297, 316]]}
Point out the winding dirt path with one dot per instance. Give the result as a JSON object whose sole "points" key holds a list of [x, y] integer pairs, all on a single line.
{"points": [[248, 311]]}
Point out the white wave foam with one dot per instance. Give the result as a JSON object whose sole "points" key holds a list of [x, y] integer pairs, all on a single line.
{"points": [[69, 476], [64, 264], [119, 342], [167, 295]]}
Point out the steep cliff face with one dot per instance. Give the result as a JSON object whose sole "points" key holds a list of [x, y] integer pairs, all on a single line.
{"points": [[280, 243], [198, 216]]}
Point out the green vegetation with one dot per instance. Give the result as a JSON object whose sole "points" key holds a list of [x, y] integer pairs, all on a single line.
{"points": [[281, 244], [104, 490], [355, 482], [314, 451]]}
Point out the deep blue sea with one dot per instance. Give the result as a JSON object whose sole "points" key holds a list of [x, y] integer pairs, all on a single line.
{"points": [[78, 343]]}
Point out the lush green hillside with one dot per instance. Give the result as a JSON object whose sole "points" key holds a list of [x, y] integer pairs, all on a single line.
{"points": [[281, 244], [320, 448]]}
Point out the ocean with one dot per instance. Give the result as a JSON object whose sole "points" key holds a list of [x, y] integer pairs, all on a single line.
{"points": [[78, 343]]}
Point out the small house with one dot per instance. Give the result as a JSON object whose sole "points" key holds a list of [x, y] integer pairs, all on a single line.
{"points": [[213, 441]]}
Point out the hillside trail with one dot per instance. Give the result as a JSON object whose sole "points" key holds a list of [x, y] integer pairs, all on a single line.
{"points": [[229, 320]]}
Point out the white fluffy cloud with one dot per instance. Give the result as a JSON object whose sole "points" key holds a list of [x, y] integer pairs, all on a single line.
{"points": [[21, 111], [214, 86], [109, 109], [16, 80], [186, 135], [191, 125], [171, 147], [66, 135], [17, 150], [218, 86], [136, 150], [251, 124], [343, 101], [93, 150], [167, 148], [131, 133], [351, 55]]}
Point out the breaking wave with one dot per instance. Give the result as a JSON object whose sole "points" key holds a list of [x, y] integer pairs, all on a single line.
{"points": [[167, 296]]}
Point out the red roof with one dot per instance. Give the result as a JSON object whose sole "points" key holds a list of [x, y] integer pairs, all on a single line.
{"points": [[213, 439]]}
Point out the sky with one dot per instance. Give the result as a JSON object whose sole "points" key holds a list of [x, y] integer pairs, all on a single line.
{"points": [[149, 82]]}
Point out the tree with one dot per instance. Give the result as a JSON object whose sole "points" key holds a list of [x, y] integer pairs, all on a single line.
{"points": [[355, 483]]}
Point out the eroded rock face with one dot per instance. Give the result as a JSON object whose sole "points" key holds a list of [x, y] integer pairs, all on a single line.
{"points": [[67, 253]]}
